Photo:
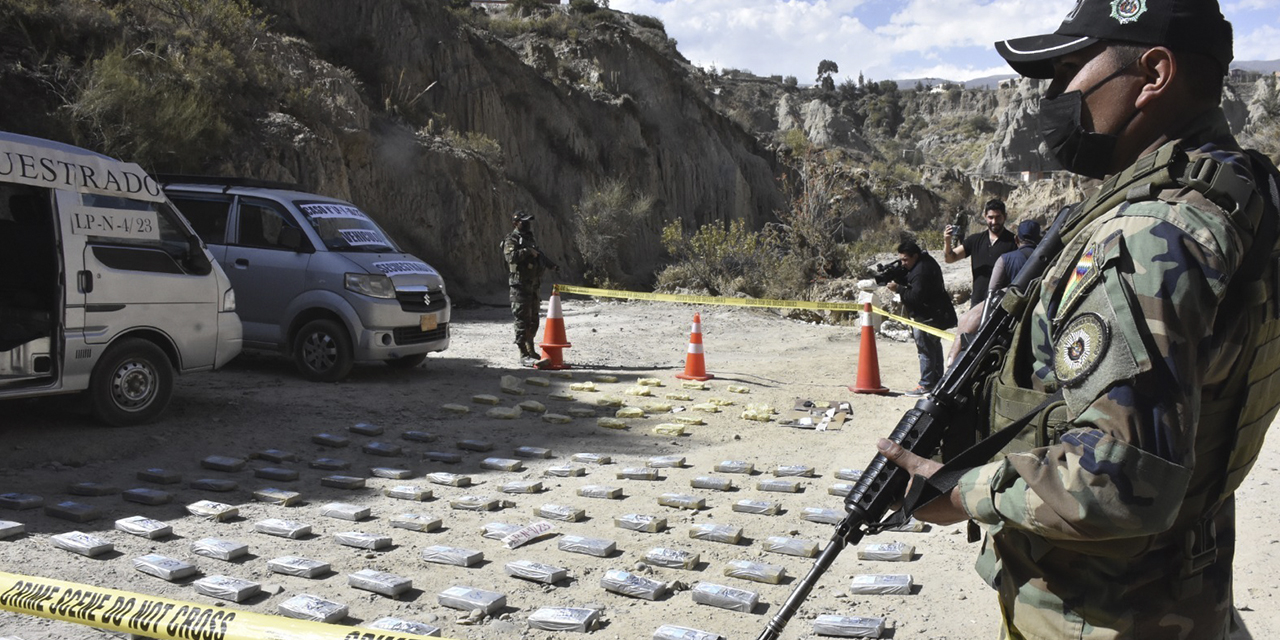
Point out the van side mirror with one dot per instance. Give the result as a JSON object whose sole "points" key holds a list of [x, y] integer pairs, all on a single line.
{"points": [[291, 238], [197, 262]]}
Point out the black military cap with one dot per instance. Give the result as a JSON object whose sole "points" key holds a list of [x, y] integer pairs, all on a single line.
{"points": [[521, 216], [1193, 26]]}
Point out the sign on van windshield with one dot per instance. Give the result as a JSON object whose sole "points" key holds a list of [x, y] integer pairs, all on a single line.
{"points": [[55, 169], [345, 228]]}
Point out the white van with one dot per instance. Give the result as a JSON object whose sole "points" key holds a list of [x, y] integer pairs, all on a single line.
{"points": [[104, 287]]}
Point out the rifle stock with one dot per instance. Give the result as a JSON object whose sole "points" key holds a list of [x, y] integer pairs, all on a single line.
{"points": [[922, 430]]}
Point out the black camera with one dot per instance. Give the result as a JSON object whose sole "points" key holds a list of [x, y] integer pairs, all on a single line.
{"points": [[893, 272]]}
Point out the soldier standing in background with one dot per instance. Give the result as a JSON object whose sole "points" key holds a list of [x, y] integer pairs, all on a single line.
{"points": [[525, 265], [1148, 346]]}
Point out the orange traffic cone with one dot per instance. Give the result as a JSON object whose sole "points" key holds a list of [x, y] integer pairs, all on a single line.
{"points": [[695, 365], [868, 362], [553, 337]]}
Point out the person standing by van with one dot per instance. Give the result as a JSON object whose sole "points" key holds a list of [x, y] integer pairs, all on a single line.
{"points": [[525, 266]]}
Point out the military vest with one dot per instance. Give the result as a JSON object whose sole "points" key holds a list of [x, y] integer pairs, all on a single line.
{"points": [[1234, 418]]}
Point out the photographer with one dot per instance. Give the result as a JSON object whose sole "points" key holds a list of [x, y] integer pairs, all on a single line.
{"points": [[925, 300]]}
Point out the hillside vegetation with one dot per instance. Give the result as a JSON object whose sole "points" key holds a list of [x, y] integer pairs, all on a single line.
{"points": [[440, 119]]}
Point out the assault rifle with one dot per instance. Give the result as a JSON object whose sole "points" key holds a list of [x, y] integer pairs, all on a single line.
{"points": [[546, 262], [948, 419]]}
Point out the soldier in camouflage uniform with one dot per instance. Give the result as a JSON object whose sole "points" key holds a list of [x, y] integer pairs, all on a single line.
{"points": [[525, 265], [1150, 342]]}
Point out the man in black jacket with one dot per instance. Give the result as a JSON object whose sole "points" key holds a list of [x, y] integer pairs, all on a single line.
{"points": [[925, 299]]}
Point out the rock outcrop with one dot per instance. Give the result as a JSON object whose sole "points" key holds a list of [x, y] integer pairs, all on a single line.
{"points": [[1017, 145], [624, 111]]}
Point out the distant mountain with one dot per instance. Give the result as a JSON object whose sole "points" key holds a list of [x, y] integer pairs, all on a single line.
{"points": [[992, 82], [910, 83], [989, 82], [1259, 66]]}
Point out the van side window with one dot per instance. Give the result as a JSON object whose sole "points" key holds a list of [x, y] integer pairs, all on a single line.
{"points": [[169, 233], [208, 216], [260, 224]]}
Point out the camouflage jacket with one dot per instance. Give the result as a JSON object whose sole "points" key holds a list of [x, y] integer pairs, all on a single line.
{"points": [[520, 252], [1085, 535]]}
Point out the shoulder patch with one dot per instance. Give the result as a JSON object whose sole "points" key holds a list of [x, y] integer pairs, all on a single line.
{"points": [[1080, 347], [1079, 281]]}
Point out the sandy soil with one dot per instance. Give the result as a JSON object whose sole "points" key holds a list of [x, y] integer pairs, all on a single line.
{"points": [[257, 403]]}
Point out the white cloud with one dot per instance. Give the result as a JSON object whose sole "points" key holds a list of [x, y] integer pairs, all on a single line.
{"points": [[1262, 43], [889, 38], [790, 37], [1231, 8], [765, 36], [931, 26]]}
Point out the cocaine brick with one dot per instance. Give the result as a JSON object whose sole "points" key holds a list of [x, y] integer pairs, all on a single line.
{"points": [[296, 566]]}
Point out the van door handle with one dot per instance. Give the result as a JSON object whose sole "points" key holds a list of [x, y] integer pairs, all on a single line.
{"points": [[242, 262], [84, 280]]}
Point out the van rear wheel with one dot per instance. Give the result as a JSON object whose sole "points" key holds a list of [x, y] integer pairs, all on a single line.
{"points": [[131, 384], [322, 351]]}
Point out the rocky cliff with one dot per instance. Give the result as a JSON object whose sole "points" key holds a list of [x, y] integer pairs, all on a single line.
{"points": [[441, 121], [440, 128]]}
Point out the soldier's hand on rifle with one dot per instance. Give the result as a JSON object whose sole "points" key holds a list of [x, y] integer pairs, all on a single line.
{"points": [[892, 286], [945, 510]]}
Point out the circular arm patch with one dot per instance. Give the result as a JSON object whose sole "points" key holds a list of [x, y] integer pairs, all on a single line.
{"points": [[1080, 347]]}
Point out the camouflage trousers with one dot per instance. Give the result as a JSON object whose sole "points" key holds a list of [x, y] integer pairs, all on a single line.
{"points": [[525, 307]]}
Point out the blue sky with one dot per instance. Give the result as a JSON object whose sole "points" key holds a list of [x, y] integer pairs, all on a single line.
{"points": [[890, 38]]}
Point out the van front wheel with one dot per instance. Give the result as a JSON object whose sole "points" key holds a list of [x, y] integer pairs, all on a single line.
{"points": [[131, 384], [322, 351]]}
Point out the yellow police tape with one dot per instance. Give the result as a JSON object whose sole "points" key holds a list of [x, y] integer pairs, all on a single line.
{"points": [[156, 617], [764, 303]]}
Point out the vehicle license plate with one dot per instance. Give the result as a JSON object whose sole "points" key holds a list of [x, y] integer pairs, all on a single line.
{"points": [[427, 323]]}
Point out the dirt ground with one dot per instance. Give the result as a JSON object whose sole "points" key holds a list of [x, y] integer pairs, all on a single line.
{"points": [[258, 403]]}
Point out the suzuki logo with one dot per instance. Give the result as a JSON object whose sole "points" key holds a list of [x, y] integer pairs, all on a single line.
{"points": [[426, 297]]}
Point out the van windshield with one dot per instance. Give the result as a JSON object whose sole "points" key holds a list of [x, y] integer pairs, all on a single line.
{"points": [[343, 227]]}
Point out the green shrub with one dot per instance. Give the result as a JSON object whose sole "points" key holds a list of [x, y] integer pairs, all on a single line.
{"points": [[173, 99], [721, 259], [648, 22], [552, 25], [156, 111], [977, 125], [601, 221], [583, 6], [477, 143], [797, 141]]}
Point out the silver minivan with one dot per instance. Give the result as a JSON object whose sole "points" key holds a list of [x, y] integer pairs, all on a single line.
{"points": [[104, 287], [315, 277]]}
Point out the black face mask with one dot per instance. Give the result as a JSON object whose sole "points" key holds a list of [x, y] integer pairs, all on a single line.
{"points": [[1087, 153]]}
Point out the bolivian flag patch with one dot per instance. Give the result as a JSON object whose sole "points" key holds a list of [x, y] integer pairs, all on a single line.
{"points": [[1079, 348], [1078, 283]]}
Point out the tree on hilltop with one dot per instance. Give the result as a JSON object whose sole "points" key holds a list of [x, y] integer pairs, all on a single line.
{"points": [[825, 69]]}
